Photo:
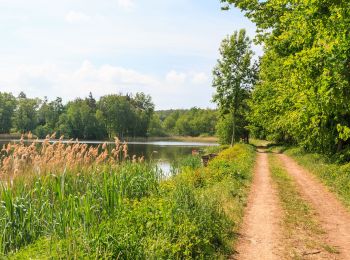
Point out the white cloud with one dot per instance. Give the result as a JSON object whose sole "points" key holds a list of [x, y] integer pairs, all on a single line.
{"points": [[175, 77], [77, 17], [113, 75], [174, 89], [200, 78], [126, 4]]}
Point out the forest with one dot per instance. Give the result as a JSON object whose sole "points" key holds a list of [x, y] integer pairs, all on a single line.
{"points": [[90, 119], [299, 92]]}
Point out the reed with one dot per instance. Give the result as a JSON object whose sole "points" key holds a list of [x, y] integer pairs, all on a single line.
{"points": [[56, 156], [70, 201]]}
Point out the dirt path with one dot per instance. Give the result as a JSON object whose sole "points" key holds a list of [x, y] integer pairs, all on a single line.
{"points": [[260, 233], [333, 216]]}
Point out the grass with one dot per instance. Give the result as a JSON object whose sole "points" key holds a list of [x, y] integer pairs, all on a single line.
{"points": [[334, 175], [71, 201], [258, 142], [302, 229]]}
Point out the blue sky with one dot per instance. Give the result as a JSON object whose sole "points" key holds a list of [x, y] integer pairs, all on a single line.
{"points": [[67, 48]]}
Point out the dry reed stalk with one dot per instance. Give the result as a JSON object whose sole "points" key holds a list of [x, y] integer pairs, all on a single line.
{"points": [[55, 156]]}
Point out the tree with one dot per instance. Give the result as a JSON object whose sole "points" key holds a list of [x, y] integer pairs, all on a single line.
{"points": [[303, 91], [118, 115], [233, 78], [80, 121], [25, 117], [155, 127], [48, 117], [143, 108], [91, 102], [7, 108]]}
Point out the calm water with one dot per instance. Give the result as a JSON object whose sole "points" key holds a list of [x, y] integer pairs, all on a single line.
{"points": [[163, 152]]}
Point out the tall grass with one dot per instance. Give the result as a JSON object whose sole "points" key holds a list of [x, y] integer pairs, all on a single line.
{"points": [[118, 208], [51, 156]]}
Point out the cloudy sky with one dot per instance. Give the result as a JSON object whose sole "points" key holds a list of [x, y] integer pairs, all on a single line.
{"points": [[67, 48]]}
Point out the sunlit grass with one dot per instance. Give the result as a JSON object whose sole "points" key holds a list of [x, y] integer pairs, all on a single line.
{"points": [[334, 175], [73, 201]]}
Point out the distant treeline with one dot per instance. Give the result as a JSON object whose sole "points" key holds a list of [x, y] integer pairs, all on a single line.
{"points": [[90, 119], [192, 122]]}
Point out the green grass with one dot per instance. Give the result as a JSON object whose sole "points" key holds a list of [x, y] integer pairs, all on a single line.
{"points": [[258, 142], [301, 228], [128, 211], [334, 175]]}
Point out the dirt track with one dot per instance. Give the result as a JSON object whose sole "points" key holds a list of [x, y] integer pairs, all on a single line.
{"points": [[333, 216], [260, 233]]}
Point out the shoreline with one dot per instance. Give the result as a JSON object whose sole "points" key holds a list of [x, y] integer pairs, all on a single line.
{"points": [[207, 139]]}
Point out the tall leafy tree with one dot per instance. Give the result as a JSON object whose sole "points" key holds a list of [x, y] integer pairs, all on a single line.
{"points": [[304, 89], [7, 109], [233, 78], [143, 108], [25, 117], [81, 121], [118, 115]]}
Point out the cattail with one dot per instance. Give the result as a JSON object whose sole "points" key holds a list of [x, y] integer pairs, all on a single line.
{"points": [[125, 150], [54, 157]]}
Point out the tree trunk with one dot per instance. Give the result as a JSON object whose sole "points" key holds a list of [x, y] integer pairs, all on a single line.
{"points": [[233, 129], [340, 145]]}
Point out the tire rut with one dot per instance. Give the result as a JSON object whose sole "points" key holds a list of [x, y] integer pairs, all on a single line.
{"points": [[333, 216], [260, 231]]}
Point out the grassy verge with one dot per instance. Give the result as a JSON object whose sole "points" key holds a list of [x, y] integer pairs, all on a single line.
{"points": [[333, 175], [128, 211], [302, 230]]}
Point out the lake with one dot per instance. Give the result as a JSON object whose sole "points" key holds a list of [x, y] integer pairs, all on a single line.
{"points": [[162, 152]]}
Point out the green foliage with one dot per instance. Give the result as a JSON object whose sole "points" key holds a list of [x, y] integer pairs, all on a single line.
{"points": [[81, 121], [234, 76], [128, 211], [303, 92], [191, 122], [111, 115], [48, 116], [7, 107], [25, 116], [125, 115], [190, 162], [155, 127]]}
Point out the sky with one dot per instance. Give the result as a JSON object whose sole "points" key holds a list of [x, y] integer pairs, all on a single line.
{"points": [[68, 48]]}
